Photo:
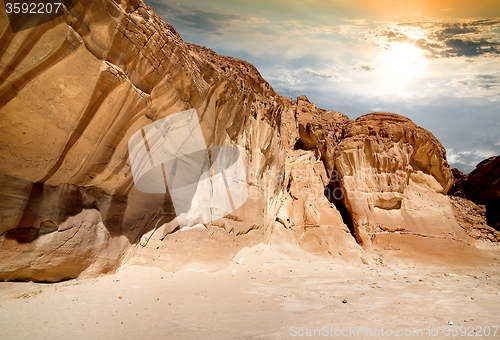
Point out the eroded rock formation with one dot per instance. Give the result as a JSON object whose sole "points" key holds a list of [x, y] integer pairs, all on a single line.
{"points": [[472, 218], [393, 174], [481, 186], [75, 89]]}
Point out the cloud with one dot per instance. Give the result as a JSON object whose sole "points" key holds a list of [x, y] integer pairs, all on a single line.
{"points": [[488, 81], [206, 21], [292, 23], [320, 74], [469, 48], [468, 159], [343, 64], [443, 39], [479, 85], [356, 21], [325, 74], [363, 67]]}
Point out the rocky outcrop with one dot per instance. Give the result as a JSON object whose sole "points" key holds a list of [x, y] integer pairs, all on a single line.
{"points": [[393, 175], [74, 90], [54, 251], [483, 183], [387, 173], [481, 186], [472, 218], [459, 180], [305, 216]]}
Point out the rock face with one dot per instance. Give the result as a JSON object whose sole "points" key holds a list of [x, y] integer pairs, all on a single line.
{"points": [[388, 174], [393, 174], [481, 186], [472, 218], [74, 90]]}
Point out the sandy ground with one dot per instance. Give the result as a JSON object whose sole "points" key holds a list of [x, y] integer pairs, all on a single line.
{"points": [[263, 294]]}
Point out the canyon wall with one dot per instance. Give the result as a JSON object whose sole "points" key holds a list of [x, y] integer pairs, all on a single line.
{"points": [[75, 89]]}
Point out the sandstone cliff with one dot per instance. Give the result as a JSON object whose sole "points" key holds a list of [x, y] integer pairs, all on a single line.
{"points": [[75, 89]]}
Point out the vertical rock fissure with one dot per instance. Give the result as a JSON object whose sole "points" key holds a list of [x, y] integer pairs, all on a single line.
{"points": [[335, 194]]}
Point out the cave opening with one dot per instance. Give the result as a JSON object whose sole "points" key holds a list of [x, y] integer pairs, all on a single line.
{"points": [[335, 194], [493, 214], [307, 144], [299, 145]]}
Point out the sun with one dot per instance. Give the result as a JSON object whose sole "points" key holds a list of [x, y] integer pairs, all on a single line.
{"points": [[403, 58]]}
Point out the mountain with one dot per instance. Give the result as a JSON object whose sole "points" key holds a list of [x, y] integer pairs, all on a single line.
{"points": [[74, 90]]}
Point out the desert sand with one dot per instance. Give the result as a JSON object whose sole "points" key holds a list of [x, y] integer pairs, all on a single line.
{"points": [[265, 293]]}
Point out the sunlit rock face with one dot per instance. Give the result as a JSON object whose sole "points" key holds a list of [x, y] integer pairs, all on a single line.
{"points": [[170, 155], [86, 95], [386, 175], [394, 176], [73, 92], [306, 217], [54, 252]]}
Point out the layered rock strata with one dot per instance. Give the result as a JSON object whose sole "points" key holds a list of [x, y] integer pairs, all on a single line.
{"points": [[389, 175], [74, 90]]}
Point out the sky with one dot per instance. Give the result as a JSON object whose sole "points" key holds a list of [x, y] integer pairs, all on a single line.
{"points": [[436, 62]]}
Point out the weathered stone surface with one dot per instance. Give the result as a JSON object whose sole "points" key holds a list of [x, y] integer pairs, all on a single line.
{"points": [[308, 217], [483, 183], [393, 175], [74, 90], [388, 174], [472, 218], [481, 186], [81, 244], [459, 180]]}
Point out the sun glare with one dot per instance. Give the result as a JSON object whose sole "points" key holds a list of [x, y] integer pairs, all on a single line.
{"points": [[404, 57]]}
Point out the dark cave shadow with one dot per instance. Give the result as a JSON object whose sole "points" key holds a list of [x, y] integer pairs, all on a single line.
{"points": [[131, 214]]}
